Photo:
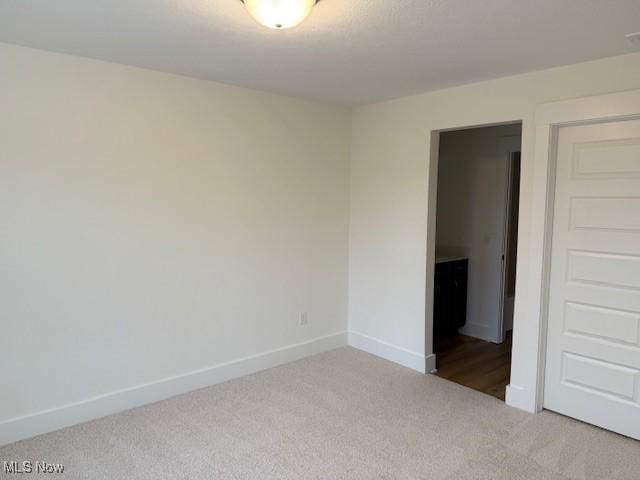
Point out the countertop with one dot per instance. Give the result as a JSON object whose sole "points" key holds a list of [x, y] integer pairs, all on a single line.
{"points": [[443, 259]]}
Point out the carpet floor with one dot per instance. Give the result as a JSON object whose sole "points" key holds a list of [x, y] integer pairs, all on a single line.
{"points": [[339, 415]]}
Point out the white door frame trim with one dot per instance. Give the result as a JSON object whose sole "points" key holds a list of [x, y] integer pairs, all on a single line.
{"points": [[549, 117]]}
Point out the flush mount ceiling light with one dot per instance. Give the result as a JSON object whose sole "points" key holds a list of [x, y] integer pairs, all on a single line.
{"points": [[279, 13]]}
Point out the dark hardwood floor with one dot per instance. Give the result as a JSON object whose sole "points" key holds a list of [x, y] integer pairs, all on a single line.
{"points": [[474, 363]]}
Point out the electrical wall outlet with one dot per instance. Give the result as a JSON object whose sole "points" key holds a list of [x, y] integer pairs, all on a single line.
{"points": [[304, 319]]}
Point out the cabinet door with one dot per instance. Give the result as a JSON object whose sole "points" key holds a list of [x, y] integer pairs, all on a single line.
{"points": [[442, 299]]}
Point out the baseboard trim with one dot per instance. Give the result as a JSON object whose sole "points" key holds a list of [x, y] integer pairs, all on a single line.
{"points": [[393, 353], [478, 331], [27, 426], [520, 398]]}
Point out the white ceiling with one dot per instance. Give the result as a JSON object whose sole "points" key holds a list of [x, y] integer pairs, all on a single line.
{"points": [[347, 51]]}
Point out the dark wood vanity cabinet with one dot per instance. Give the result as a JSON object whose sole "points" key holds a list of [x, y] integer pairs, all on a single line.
{"points": [[450, 296]]}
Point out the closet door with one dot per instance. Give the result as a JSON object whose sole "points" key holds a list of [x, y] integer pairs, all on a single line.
{"points": [[593, 345]]}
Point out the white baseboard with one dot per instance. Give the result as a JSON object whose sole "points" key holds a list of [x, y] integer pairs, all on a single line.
{"points": [[521, 398], [56, 418], [393, 353], [479, 331]]}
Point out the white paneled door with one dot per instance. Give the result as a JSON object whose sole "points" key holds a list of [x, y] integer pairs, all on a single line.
{"points": [[593, 344]]}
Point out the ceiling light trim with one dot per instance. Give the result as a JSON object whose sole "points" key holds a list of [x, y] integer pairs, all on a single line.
{"points": [[279, 18]]}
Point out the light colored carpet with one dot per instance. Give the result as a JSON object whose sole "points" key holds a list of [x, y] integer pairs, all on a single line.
{"points": [[339, 415]]}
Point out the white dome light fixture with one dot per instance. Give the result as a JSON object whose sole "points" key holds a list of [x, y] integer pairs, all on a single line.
{"points": [[279, 14]]}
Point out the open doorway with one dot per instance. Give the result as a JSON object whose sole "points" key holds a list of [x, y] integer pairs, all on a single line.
{"points": [[475, 259]]}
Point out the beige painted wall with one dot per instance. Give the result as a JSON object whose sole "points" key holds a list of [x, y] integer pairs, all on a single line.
{"points": [[153, 225], [390, 197]]}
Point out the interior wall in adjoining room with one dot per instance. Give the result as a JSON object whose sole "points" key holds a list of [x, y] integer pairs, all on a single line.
{"points": [[154, 228], [471, 216]]}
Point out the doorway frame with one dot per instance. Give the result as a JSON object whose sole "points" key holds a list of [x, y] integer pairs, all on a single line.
{"points": [[509, 182], [507, 146], [528, 354]]}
